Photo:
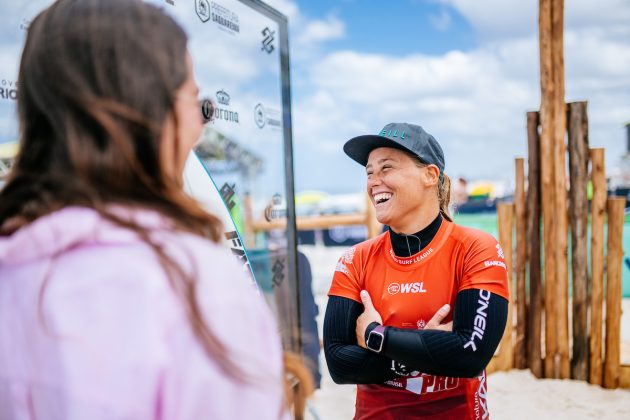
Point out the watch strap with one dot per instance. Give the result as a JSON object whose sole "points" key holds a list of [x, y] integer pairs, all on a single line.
{"points": [[379, 330]]}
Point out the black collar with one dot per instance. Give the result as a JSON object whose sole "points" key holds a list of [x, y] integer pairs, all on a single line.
{"points": [[408, 245]]}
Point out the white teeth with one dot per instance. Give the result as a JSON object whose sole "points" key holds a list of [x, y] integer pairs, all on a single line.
{"points": [[382, 197]]}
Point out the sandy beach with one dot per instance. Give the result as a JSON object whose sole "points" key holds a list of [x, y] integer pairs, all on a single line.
{"points": [[516, 394]]}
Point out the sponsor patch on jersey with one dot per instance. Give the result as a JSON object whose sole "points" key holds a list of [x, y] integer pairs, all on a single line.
{"points": [[422, 383], [481, 403], [500, 252], [495, 263], [341, 267], [348, 255], [408, 261], [415, 287], [346, 258], [479, 326]]}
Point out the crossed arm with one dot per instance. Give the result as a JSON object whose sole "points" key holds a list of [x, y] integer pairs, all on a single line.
{"points": [[479, 320]]}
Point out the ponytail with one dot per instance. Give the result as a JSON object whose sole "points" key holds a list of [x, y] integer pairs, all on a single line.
{"points": [[444, 188], [444, 196]]}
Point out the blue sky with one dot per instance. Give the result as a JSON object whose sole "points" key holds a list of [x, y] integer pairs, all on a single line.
{"points": [[396, 27], [466, 70]]}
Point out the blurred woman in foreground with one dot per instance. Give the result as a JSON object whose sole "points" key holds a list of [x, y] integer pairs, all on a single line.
{"points": [[115, 299]]}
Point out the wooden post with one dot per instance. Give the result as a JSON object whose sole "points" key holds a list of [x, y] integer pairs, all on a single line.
{"points": [[598, 213], [549, 209], [578, 161], [612, 362], [534, 320], [560, 186], [250, 235], [373, 225], [505, 214], [520, 348]]}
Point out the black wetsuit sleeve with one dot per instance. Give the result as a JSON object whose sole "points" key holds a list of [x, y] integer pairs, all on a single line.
{"points": [[479, 320], [348, 363]]}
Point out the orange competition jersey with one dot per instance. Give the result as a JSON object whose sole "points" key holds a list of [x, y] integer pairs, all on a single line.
{"points": [[407, 292]]}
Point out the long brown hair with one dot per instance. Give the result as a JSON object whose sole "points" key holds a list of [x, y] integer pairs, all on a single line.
{"points": [[95, 91], [97, 83]]}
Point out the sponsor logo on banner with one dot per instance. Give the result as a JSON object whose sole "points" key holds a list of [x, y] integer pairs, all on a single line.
{"points": [[227, 194], [403, 288], [267, 117], [224, 112], [202, 7], [274, 209], [8, 90], [236, 246], [225, 19], [267, 42], [277, 270]]}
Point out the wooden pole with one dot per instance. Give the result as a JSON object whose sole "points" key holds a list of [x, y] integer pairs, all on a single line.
{"points": [[373, 225], [520, 348], [311, 222], [612, 362], [547, 184], [578, 162], [598, 214], [534, 320], [250, 235], [560, 186], [505, 214]]}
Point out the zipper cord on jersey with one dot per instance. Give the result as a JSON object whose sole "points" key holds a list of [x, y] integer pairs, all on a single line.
{"points": [[409, 246], [423, 237]]}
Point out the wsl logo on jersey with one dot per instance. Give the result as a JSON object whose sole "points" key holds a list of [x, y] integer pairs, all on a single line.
{"points": [[225, 114], [395, 288]]}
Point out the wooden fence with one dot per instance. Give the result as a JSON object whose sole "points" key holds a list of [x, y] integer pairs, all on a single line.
{"points": [[540, 301]]}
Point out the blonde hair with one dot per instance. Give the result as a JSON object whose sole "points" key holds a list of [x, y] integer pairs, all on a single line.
{"points": [[443, 189], [444, 196]]}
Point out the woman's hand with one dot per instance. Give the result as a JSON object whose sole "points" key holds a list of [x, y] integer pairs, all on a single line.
{"points": [[436, 322], [368, 316]]}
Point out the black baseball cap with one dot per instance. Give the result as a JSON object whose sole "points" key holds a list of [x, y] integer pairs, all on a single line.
{"points": [[403, 136]]}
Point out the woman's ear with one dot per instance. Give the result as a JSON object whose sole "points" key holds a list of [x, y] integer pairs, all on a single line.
{"points": [[431, 175]]}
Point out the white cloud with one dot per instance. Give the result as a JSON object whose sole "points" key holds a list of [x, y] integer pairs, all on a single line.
{"points": [[321, 30], [474, 102], [499, 18], [441, 21]]}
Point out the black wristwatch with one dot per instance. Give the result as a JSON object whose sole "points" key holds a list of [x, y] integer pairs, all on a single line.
{"points": [[376, 339]]}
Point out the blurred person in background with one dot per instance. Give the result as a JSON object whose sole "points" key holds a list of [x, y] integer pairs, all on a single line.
{"points": [[388, 325], [116, 300]]}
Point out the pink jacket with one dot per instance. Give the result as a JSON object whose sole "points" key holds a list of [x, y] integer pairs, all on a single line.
{"points": [[113, 341]]}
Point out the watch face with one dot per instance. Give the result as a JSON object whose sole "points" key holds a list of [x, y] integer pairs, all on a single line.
{"points": [[375, 341]]}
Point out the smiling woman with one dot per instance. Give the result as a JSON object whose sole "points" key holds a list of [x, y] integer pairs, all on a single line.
{"points": [[383, 327]]}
